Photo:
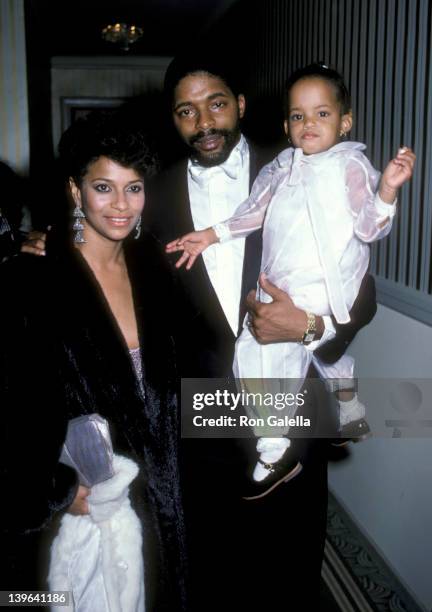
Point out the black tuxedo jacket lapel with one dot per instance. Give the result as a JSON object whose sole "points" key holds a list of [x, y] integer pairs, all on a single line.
{"points": [[169, 216], [172, 219], [198, 279]]}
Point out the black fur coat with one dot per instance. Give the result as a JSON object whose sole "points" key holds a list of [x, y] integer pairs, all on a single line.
{"points": [[62, 355]]}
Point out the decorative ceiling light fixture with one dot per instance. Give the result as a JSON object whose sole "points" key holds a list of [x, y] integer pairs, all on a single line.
{"points": [[122, 34]]}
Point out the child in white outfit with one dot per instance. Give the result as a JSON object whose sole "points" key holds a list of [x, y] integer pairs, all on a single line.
{"points": [[320, 203]]}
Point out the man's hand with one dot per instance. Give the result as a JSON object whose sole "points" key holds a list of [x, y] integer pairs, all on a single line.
{"points": [[80, 506], [35, 243], [279, 321]]}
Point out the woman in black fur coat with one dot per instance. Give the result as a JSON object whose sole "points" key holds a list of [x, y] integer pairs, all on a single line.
{"points": [[70, 323]]}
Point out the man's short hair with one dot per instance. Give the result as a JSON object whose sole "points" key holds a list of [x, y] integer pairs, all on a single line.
{"points": [[192, 63]]}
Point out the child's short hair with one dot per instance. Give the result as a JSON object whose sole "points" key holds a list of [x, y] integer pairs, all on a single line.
{"points": [[320, 71]]}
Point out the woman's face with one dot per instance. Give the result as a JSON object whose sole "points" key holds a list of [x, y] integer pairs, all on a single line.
{"points": [[112, 199]]}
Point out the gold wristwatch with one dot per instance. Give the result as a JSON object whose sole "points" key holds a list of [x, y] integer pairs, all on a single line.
{"points": [[310, 333]]}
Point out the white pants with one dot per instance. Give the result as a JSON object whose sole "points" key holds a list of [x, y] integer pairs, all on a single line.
{"points": [[281, 368]]}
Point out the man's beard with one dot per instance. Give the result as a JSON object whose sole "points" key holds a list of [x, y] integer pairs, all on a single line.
{"points": [[211, 159]]}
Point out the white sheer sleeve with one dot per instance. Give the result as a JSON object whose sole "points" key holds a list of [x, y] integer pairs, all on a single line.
{"points": [[249, 216], [373, 217]]}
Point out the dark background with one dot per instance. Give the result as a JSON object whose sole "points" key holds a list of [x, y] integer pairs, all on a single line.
{"points": [[224, 27]]}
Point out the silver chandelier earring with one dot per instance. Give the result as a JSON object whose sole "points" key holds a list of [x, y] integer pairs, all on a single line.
{"points": [[138, 229], [78, 227]]}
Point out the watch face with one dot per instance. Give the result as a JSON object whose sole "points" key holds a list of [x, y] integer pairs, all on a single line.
{"points": [[309, 337]]}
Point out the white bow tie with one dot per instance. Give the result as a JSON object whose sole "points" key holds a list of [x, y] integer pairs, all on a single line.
{"points": [[231, 167]]}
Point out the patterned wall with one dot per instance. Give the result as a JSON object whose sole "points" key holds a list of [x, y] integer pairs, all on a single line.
{"points": [[14, 146], [383, 47]]}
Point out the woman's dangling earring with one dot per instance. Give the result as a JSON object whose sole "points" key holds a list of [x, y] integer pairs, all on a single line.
{"points": [[78, 227], [342, 134], [138, 229]]}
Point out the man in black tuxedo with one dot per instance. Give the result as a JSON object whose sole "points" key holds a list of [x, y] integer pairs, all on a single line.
{"points": [[263, 554]]}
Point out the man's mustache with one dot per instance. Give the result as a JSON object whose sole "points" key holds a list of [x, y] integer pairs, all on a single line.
{"points": [[205, 134]]}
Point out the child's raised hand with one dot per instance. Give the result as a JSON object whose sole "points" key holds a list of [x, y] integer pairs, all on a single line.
{"points": [[192, 245], [398, 171]]}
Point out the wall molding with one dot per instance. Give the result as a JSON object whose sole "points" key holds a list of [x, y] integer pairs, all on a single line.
{"points": [[99, 78], [358, 577], [406, 300]]}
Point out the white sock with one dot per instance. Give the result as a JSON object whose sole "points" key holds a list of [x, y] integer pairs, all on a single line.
{"points": [[350, 411], [271, 450]]}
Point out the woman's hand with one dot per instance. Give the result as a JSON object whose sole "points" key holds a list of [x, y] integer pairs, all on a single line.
{"points": [[398, 171], [80, 506], [192, 245], [35, 243]]}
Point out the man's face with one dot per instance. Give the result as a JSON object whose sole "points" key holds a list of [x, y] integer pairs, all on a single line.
{"points": [[207, 116]]}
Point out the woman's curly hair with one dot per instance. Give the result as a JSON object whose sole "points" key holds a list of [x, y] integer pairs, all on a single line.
{"points": [[106, 134]]}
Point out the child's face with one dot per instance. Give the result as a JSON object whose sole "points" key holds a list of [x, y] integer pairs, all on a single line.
{"points": [[314, 121]]}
